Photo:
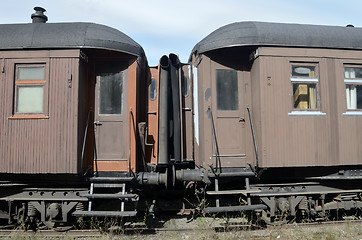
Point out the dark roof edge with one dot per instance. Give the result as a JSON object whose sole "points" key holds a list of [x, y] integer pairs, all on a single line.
{"points": [[241, 34], [66, 36]]}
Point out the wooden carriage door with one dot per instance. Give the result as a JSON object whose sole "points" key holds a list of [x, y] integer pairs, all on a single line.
{"points": [[110, 123], [228, 115]]}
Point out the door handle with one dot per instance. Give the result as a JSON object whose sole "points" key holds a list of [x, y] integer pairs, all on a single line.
{"points": [[97, 123], [241, 119]]}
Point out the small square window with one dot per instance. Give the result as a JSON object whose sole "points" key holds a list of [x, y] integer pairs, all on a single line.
{"points": [[30, 99], [354, 96], [305, 96], [31, 73], [29, 89], [304, 79], [353, 82], [303, 71]]}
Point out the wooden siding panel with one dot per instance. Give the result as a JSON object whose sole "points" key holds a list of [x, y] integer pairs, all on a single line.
{"points": [[42, 145], [63, 107], [206, 138], [205, 146], [256, 108], [86, 101], [329, 140], [3, 104], [152, 106], [349, 127], [187, 118], [331, 101], [247, 95], [290, 140], [350, 133]]}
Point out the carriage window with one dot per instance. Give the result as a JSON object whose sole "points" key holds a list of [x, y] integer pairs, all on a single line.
{"points": [[353, 81], [153, 89], [29, 89], [304, 80], [184, 87], [227, 89], [111, 93]]}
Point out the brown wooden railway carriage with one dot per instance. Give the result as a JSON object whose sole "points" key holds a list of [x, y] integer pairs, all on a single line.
{"points": [[53, 76], [284, 101], [57, 79]]}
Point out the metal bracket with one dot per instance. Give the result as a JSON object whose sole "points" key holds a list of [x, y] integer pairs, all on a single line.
{"points": [[70, 79], [2, 65], [146, 138], [66, 209], [97, 123], [41, 208]]}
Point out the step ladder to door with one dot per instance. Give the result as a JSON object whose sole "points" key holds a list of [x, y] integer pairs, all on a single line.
{"points": [[238, 208], [106, 191]]}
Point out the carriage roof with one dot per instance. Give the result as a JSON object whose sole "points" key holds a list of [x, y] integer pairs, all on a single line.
{"points": [[66, 35], [281, 34]]}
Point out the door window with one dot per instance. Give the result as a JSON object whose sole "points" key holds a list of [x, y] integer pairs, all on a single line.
{"points": [[111, 93], [227, 89]]}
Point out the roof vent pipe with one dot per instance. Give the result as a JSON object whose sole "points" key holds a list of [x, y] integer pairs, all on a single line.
{"points": [[39, 16]]}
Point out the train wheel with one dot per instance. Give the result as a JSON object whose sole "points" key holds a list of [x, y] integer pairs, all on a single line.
{"points": [[57, 216]]}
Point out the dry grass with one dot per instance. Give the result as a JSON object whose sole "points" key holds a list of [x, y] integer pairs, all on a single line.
{"points": [[347, 230], [322, 232]]}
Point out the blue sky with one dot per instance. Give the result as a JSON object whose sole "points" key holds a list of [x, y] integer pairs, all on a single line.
{"points": [[164, 26]]}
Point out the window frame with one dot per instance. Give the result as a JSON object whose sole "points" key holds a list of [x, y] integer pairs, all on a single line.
{"points": [[305, 80], [29, 83], [351, 81]]}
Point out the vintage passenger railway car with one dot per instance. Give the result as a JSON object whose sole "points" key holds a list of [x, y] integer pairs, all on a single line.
{"points": [[57, 79], [264, 118], [283, 100], [53, 77]]}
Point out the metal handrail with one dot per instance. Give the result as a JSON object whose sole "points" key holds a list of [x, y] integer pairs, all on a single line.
{"points": [[129, 139], [84, 140], [254, 138], [214, 140]]}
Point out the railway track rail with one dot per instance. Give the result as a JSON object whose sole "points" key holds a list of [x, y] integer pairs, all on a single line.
{"points": [[45, 234]]}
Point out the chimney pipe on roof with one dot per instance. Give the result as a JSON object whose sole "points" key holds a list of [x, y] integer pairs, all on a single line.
{"points": [[39, 16]]}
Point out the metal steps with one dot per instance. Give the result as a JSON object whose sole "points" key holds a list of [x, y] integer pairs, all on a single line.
{"points": [[110, 179], [107, 190], [247, 192], [120, 196], [235, 208], [108, 185], [105, 213], [232, 192]]}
